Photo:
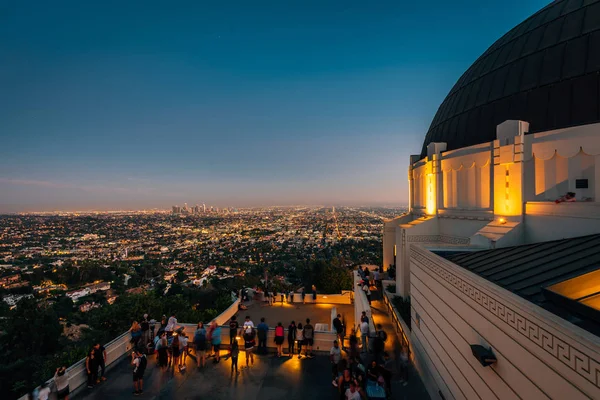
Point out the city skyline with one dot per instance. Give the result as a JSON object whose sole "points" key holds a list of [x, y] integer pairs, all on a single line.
{"points": [[241, 106]]}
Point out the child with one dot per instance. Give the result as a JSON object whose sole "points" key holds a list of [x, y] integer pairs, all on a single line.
{"points": [[235, 351]]}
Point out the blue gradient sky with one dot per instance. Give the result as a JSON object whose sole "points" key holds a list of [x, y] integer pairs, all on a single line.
{"points": [[130, 105]]}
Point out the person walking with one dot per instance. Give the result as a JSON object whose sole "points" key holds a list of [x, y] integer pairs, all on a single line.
{"points": [[234, 352], [314, 293], [309, 333], [263, 331], [200, 343], [100, 357], [291, 338], [335, 356], [61, 380], [249, 344], [139, 362], [216, 341], [300, 339], [279, 337], [364, 336], [91, 368]]}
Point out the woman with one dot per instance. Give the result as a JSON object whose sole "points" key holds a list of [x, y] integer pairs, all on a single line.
{"points": [[136, 333], [249, 343], [200, 343], [91, 368], [163, 351], [279, 335], [299, 339], [175, 351], [61, 380], [291, 338]]}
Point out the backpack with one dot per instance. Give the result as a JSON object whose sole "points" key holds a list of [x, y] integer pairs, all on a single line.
{"points": [[383, 335], [308, 331], [143, 364]]}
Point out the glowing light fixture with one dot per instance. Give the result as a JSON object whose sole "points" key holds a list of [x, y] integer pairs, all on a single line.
{"points": [[502, 220]]}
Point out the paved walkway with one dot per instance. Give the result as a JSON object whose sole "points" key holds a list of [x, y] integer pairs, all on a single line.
{"points": [[415, 388], [269, 379]]}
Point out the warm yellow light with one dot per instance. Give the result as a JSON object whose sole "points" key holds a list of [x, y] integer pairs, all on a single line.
{"points": [[502, 220], [430, 205]]}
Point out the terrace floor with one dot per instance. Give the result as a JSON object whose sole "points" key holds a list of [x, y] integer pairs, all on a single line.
{"points": [[269, 378], [298, 312]]}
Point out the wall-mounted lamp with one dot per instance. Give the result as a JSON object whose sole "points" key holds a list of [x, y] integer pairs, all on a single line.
{"points": [[483, 355], [502, 220]]}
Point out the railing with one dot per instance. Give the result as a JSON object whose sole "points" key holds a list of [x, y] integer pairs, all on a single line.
{"points": [[399, 324], [362, 304], [119, 347]]}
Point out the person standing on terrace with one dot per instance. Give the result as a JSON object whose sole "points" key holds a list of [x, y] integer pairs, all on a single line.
{"points": [[279, 335], [233, 330], [249, 343], [91, 368], [300, 339], [309, 334], [139, 361], [291, 338], [216, 341], [136, 333], [175, 351], [263, 332], [163, 351], [200, 343], [100, 355], [248, 323], [145, 326], [235, 352], [364, 336], [61, 380]]}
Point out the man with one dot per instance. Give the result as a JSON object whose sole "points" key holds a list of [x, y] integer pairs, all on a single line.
{"points": [[171, 324], [145, 325], [309, 335], [352, 392], [339, 329], [377, 279], [100, 357], [335, 356], [248, 323], [262, 331], [363, 317], [303, 294], [367, 291], [233, 330], [216, 341], [364, 334], [139, 361]]}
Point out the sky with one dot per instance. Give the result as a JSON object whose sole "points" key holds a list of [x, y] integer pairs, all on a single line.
{"points": [[108, 105]]}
